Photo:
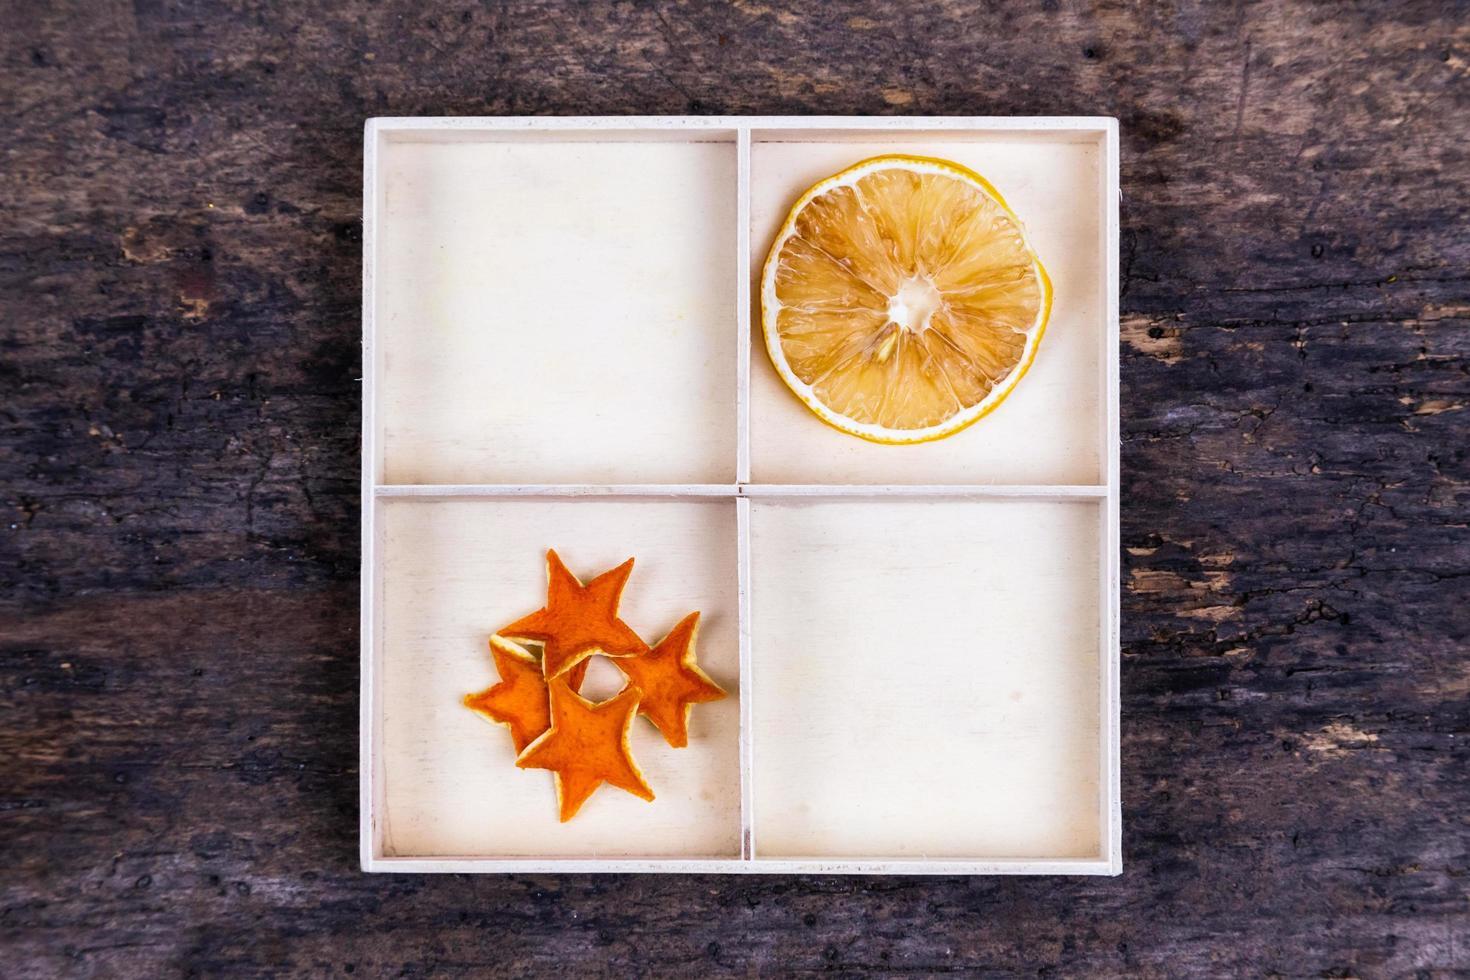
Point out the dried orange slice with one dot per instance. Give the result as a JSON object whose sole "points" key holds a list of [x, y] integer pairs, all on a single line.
{"points": [[901, 301]]}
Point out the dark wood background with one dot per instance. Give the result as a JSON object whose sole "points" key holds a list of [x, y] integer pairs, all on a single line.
{"points": [[179, 263]]}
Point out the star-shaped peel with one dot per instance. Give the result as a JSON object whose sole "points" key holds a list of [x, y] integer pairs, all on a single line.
{"points": [[587, 745], [520, 701], [671, 681], [579, 620]]}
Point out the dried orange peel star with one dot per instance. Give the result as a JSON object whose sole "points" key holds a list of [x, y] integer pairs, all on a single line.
{"points": [[579, 620], [586, 746], [671, 681], [520, 701], [585, 743]]}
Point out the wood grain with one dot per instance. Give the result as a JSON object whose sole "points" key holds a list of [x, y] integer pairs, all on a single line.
{"points": [[179, 287]]}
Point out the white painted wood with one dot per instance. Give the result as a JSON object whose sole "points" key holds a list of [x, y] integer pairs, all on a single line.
{"points": [[926, 679], [1111, 651], [820, 490], [557, 312], [747, 671], [455, 571], [685, 128], [556, 490], [1044, 491], [742, 307], [886, 866], [368, 704], [1079, 156], [1047, 429]]}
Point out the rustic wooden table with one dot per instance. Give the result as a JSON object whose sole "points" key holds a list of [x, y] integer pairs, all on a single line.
{"points": [[179, 456]]}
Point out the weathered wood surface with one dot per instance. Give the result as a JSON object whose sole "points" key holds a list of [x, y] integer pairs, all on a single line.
{"points": [[179, 261]]}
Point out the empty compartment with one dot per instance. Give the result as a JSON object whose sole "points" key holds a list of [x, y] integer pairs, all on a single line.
{"points": [[454, 571], [1052, 427], [556, 310], [926, 679]]}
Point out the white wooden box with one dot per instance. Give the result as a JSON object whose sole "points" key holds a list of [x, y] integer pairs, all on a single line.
{"points": [[920, 643]]}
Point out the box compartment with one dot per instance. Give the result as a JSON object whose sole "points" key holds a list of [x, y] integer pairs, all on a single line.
{"points": [[454, 571], [1052, 428], [927, 678], [556, 312]]}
